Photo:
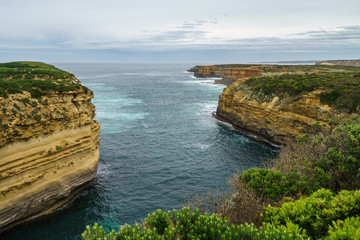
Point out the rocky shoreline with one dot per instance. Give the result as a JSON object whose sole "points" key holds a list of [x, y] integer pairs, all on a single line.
{"points": [[273, 119]]}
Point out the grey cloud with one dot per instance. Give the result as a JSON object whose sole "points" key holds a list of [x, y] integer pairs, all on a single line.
{"points": [[187, 38], [340, 33]]}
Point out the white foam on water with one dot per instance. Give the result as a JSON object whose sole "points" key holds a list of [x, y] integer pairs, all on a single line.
{"points": [[207, 108], [120, 116], [202, 146], [103, 169], [131, 74], [99, 87], [156, 74], [119, 101], [99, 76], [209, 82]]}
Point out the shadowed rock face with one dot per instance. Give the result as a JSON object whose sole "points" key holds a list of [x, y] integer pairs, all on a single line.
{"points": [[49, 151]]}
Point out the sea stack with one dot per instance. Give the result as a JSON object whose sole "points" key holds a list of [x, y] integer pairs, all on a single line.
{"points": [[49, 146]]}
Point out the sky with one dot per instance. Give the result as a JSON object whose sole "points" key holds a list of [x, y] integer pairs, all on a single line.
{"points": [[173, 31]]}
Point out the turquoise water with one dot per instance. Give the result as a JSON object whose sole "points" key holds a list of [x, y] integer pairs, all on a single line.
{"points": [[159, 145]]}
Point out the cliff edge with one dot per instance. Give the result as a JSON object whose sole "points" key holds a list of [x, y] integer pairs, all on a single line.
{"points": [[49, 146], [286, 101]]}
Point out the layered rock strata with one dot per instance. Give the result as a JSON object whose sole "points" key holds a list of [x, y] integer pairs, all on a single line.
{"points": [[49, 151], [228, 74], [275, 120]]}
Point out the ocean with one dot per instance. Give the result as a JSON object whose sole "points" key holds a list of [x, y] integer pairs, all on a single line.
{"points": [[159, 145]]}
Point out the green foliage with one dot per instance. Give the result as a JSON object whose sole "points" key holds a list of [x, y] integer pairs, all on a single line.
{"points": [[345, 229], [35, 77], [303, 138], [267, 68], [316, 213], [341, 88], [37, 117], [17, 107], [185, 224], [274, 184], [330, 160], [158, 220], [342, 160], [37, 88], [58, 148], [30, 70], [25, 101]]}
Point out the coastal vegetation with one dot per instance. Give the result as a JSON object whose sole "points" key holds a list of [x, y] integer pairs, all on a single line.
{"points": [[37, 78], [341, 89], [311, 190]]}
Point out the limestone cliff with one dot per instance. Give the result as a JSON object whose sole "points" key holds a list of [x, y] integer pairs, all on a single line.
{"points": [[49, 150], [353, 63], [274, 120], [276, 102], [228, 74]]}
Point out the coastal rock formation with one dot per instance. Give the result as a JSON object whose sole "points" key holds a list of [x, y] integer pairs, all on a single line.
{"points": [[353, 63], [49, 151], [274, 121], [252, 106], [228, 74]]}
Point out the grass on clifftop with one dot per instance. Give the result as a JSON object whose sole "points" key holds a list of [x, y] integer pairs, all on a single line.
{"points": [[341, 87], [289, 68], [35, 77], [32, 70]]}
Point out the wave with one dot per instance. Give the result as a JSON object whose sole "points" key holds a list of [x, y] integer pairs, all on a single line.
{"points": [[99, 76]]}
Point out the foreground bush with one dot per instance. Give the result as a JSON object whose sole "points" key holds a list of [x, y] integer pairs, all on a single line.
{"points": [[191, 225], [345, 229], [315, 214], [274, 184], [330, 159]]}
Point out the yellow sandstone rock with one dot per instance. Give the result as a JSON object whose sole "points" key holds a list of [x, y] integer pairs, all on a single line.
{"points": [[276, 120], [49, 151]]}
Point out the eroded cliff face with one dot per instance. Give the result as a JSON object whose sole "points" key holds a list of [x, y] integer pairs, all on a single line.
{"points": [[275, 120], [228, 74], [49, 151]]}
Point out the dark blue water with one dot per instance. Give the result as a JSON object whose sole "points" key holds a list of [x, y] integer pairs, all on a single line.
{"points": [[159, 144]]}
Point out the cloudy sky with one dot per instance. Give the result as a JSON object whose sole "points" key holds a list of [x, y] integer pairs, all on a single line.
{"points": [[196, 31]]}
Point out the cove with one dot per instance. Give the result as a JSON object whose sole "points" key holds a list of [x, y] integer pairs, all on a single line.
{"points": [[159, 144]]}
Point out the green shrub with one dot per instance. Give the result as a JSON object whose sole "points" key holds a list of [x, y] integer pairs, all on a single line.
{"points": [[192, 225], [315, 213], [37, 117], [345, 229], [274, 184], [342, 159], [16, 77], [341, 88]]}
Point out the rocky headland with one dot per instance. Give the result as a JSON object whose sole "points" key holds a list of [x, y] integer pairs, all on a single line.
{"points": [[351, 63], [49, 146], [228, 73], [276, 102]]}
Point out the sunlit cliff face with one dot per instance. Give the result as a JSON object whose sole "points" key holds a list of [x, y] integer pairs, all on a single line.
{"points": [[49, 151]]}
